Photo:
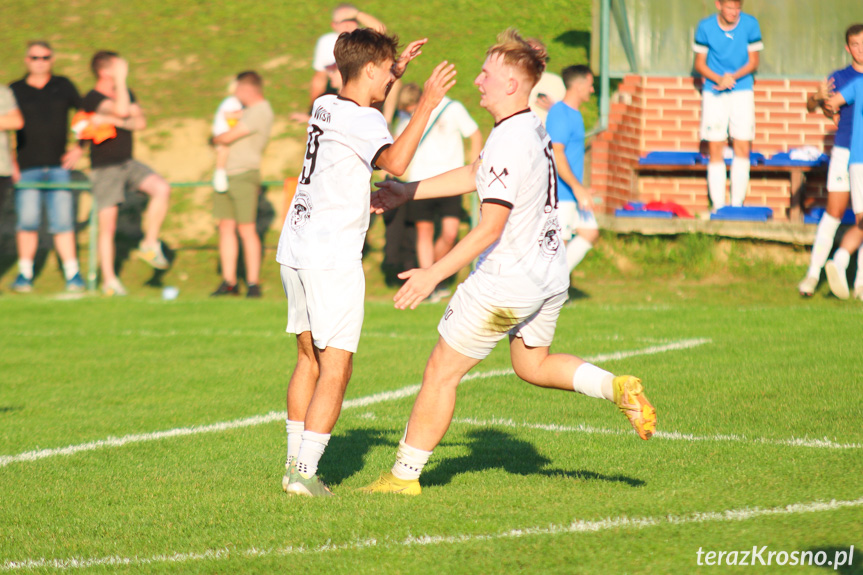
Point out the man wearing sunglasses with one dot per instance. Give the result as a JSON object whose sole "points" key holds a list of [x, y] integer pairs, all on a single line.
{"points": [[45, 101]]}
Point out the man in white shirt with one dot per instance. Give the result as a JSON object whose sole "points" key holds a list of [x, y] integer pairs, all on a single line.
{"points": [[320, 249], [521, 281], [346, 18], [440, 150]]}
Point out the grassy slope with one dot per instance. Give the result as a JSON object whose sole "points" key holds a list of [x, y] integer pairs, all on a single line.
{"points": [[183, 53]]}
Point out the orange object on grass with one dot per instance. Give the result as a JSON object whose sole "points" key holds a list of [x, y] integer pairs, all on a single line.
{"points": [[82, 125]]}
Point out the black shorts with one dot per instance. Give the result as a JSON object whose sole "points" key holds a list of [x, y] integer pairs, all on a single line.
{"points": [[430, 210]]}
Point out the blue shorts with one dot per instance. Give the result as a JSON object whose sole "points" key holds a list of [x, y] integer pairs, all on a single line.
{"points": [[60, 204]]}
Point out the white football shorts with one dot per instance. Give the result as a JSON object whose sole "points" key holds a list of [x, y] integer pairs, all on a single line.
{"points": [[329, 303], [473, 324], [837, 173], [728, 113], [572, 219], [856, 173]]}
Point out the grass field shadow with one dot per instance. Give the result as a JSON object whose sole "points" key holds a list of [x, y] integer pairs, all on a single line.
{"points": [[496, 449], [346, 452]]}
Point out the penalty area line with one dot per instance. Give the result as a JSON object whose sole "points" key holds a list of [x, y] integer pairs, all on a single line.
{"points": [[576, 527], [272, 416]]}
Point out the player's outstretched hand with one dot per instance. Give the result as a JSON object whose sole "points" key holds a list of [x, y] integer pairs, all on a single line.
{"points": [[419, 285], [413, 50], [441, 80], [391, 195]]}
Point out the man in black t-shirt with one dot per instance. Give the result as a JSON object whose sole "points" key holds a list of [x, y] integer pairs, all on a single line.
{"points": [[45, 101], [114, 172]]}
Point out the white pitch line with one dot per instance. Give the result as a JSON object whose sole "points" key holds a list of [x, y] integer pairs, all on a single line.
{"points": [[280, 415], [576, 527], [671, 435]]}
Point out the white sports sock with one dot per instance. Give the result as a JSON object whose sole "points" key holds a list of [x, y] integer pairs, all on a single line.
{"points": [[739, 180], [410, 462], [311, 450], [824, 236], [842, 258], [576, 250], [70, 268], [295, 438], [716, 184], [593, 381], [26, 268]]}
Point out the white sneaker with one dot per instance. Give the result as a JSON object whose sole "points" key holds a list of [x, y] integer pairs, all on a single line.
{"points": [[807, 286], [113, 288], [858, 292], [220, 181], [837, 280]]}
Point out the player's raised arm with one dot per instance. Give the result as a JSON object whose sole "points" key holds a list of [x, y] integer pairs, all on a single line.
{"points": [[395, 159]]}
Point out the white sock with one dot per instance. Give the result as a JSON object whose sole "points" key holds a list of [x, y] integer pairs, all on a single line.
{"points": [[576, 250], [295, 438], [716, 184], [593, 381], [311, 450], [739, 180], [70, 268], [824, 236], [842, 258], [26, 268], [410, 462]]}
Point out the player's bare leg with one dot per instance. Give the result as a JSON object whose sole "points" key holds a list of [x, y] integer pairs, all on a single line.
{"points": [[300, 390], [435, 403], [323, 411], [429, 421], [537, 366]]}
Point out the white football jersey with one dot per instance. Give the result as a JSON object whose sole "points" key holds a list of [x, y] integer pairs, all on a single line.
{"points": [[328, 219], [517, 170]]}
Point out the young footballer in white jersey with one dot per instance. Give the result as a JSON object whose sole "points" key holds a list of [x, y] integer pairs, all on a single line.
{"points": [[320, 248], [521, 281]]}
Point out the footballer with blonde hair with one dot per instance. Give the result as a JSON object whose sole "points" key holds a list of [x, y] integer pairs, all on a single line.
{"points": [[521, 280]]}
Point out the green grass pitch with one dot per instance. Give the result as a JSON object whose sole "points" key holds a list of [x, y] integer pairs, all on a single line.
{"points": [[759, 407]]}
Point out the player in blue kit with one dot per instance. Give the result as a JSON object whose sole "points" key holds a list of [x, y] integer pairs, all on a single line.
{"points": [[727, 50], [838, 183], [565, 126], [836, 268]]}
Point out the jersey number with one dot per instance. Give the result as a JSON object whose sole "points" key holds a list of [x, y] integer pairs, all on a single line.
{"points": [[312, 147], [551, 202]]}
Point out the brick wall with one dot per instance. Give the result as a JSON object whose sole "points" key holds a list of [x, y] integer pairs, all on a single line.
{"points": [[654, 113]]}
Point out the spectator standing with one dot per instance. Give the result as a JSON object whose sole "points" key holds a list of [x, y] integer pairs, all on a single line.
{"points": [[45, 101], [565, 126], [440, 150], [727, 52], [115, 172], [345, 18], [237, 209]]}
